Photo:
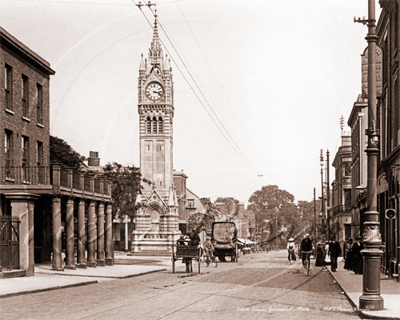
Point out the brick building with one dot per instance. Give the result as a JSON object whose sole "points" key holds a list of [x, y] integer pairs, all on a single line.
{"points": [[45, 209]]}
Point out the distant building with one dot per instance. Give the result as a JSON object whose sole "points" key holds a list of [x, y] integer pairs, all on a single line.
{"points": [[340, 222], [358, 122]]}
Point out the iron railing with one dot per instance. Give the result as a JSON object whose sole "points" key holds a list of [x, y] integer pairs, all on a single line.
{"points": [[341, 209], [37, 175], [9, 242]]}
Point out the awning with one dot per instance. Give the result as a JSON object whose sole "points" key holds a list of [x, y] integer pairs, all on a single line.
{"points": [[245, 241]]}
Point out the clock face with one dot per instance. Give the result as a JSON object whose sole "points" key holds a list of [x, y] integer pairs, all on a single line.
{"points": [[154, 91]]}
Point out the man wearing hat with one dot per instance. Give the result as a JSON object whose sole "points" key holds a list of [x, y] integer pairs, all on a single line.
{"points": [[357, 256], [290, 247], [334, 251], [306, 245]]}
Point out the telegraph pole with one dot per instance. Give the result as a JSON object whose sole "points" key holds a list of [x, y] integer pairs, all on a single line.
{"points": [[328, 228], [371, 298]]}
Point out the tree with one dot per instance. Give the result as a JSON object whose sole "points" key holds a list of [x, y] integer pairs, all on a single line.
{"points": [[231, 205], [125, 185], [61, 152], [271, 207]]}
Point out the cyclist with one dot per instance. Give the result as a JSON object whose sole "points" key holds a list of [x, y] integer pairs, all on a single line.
{"points": [[208, 248], [305, 248], [290, 248]]}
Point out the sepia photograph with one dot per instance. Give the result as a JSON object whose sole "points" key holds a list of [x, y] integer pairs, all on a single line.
{"points": [[199, 159]]}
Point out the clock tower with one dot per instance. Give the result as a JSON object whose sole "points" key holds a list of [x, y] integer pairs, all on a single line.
{"points": [[156, 112], [156, 220]]}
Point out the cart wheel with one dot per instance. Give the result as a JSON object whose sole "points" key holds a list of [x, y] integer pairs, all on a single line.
{"points": [[198, 262], [236, 254], [215, 262]]}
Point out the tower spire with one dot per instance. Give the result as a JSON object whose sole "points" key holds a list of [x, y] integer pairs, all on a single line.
{"points": [[155, 52]]}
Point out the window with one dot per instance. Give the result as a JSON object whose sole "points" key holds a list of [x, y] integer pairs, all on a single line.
{"points": [[154, 125], [160, 125], [347, 197], [148, 125], [39, 153], [24, 95], [8, 148], [25, 150], [8, 87], [190, 203], [25, 159], [39, 100]]}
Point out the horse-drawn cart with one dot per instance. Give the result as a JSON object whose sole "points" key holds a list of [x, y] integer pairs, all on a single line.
{"points": [[186, 252]]}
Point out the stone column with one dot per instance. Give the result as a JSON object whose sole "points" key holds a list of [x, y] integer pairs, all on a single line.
{"points": [[81, 263], [22, 208], [69, 226], [57, 244], [109, 236], [91, 255], [100, 236]]}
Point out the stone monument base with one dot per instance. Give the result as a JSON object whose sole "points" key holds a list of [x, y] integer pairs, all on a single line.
{"points": [[153, 243]]}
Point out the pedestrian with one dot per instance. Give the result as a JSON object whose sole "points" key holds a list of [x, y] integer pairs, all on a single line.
{"points": [[327, 257], [290, 248], [320, 259], [348, 255], [357, 256], [305, 246], [334, 251]]}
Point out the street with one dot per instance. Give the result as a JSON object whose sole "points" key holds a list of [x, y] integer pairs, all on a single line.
{"points": [[260, 285]]}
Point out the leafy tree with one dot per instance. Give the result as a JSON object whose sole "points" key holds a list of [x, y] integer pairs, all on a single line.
{"points": [[61, 152], [231, 205], [271, 207], [126, 184]]}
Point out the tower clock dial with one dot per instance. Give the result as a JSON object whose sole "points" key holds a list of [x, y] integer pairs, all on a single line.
{"points": [[154, 91]]}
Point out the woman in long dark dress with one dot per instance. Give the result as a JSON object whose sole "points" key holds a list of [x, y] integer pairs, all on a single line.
{"points": [[320, 260], [357, 257], [348, 255]]}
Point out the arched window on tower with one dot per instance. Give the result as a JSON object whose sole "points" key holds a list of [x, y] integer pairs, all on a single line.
{"points": [[154, 125], [160, 125], [148, 125]]}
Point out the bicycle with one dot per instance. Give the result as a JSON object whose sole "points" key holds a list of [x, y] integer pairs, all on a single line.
{"points": [[291, 253], [307, 263], [210, 258]]}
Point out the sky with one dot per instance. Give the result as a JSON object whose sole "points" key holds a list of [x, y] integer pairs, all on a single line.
{"points": [[259, 85]]}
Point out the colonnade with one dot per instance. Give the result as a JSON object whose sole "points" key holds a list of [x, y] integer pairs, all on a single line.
{"points": [[100, 232]]}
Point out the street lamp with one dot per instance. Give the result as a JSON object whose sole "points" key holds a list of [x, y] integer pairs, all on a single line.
{"points": [[321, 159], [371, 298], [328, 230]]}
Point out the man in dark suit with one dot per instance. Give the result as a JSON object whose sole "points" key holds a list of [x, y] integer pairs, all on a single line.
{"points": [[334, 251], [357, 256]]}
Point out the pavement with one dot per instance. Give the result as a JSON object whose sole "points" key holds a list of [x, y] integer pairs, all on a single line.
{"points": [[131, 266], [46, 279], [352, 285]]}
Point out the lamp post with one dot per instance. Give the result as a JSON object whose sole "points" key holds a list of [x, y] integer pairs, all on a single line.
{"points": [[371, 298], [315, 222], [321, 159], [328, 228]]}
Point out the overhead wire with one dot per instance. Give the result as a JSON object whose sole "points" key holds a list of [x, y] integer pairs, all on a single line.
{"points": [[218, 82]]}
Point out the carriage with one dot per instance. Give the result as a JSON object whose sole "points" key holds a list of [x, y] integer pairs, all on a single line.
{"points": [[224, 240], [186, 252]]}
